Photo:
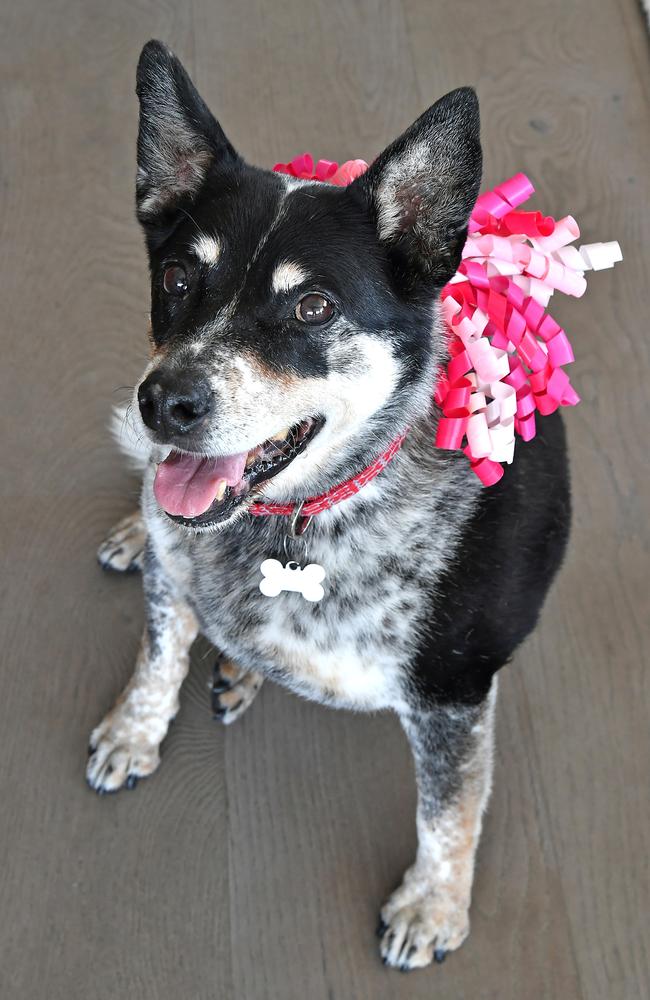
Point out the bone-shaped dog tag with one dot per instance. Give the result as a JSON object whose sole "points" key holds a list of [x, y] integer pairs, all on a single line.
{"points": [[277, 578]]}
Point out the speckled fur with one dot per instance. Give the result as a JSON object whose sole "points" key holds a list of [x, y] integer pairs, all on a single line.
{"points": [[383, 552], [125, 745], [428, 914]]}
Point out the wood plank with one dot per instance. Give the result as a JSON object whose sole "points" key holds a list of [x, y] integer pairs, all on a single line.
{"points": [[101, 897]]}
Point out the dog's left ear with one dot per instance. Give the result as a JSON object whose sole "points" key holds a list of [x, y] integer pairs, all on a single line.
{"points": [[422, 188], [179, 140]]}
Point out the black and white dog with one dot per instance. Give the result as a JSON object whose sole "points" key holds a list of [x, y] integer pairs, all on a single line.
{"points": [[294, 335]]}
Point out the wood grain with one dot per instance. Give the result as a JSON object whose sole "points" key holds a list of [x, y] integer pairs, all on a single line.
{"points": [[254, 863]]}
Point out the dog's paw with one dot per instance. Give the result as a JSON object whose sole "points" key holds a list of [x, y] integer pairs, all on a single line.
{"points": [[421, 923], [123, 550], [116, 760], [233, 690]]}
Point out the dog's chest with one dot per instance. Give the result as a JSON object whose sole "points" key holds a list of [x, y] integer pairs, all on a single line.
{"points": [[352, 648], [349, 648]]}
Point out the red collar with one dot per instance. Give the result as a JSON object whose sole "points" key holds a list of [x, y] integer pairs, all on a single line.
{"points": [[304, 511]]}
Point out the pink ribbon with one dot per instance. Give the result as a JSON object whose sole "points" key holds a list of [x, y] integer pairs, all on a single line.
{"points": [[502, 341], [325, 170], [507, 354]]}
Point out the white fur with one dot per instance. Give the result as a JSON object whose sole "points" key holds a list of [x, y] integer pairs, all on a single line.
{"points": [[207, 248], [339, 675], [255, 405], [128, 431], [286, 276]]}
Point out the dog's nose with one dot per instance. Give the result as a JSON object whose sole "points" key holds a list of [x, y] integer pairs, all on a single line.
{"points": [[174, 403]]}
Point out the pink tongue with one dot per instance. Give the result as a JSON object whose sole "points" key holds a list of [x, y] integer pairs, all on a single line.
{"points": [[187, 485]]}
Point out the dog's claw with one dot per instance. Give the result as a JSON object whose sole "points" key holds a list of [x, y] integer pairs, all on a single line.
{"points": [[439, 955], [381, 929], [232, 690], [217, 709], [131, 782], [220, 685]]}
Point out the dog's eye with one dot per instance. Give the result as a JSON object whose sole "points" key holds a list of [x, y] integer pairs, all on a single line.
{"points": [[175, 280], [314, 309]]}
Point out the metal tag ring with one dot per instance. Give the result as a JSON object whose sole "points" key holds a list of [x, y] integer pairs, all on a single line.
{"points": [[298, 522]]}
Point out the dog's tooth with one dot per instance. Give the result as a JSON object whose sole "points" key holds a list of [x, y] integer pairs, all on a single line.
{"points": [[281, 436], [221, 489], [251, 458]]}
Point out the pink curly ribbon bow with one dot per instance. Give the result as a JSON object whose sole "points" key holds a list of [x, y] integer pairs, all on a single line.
{"points": [[507, 354]]}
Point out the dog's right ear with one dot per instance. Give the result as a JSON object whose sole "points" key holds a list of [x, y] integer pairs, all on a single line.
{"points": [[179, 140]]}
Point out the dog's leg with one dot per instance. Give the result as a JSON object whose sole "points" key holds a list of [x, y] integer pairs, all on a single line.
{"points": [[428, 914], [123, 549], [125, 745], [233, 690]]}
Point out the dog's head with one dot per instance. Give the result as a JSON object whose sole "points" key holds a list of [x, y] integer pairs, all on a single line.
{"points": [[292, 322]]}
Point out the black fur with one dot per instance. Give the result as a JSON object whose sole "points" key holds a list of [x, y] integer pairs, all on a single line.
{"points": [[489, 598]]}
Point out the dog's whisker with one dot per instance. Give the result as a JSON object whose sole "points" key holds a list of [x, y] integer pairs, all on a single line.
{"points": [[200, 231]]}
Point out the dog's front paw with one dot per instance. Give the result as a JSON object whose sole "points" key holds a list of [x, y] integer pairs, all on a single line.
{"points": [[233, 690], [116, 759], [123, 550], [421, 922]]}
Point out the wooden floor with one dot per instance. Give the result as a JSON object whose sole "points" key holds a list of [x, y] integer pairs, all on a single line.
{"points": [[253, 865]]}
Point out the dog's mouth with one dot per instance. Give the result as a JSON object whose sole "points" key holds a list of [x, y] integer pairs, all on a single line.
{"points": [[199, 492]]}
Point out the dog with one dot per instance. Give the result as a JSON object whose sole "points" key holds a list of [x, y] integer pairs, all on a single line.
{"points": [[295, 334]]}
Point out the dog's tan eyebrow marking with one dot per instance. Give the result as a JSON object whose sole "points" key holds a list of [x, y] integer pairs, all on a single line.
{"points": [[207, 248], [287, 275]]}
